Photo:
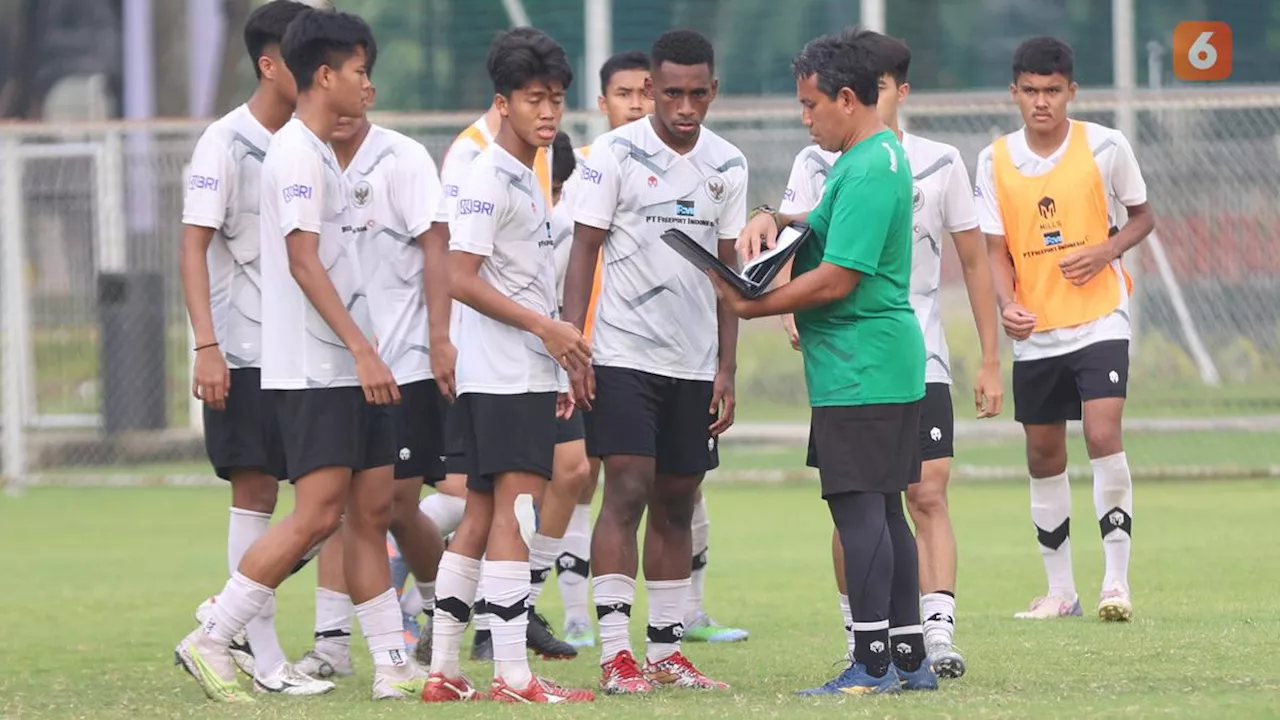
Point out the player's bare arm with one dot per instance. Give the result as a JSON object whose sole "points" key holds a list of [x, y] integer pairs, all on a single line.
{"points": [[723, 401], [435, 278], [211, 379], [824, 284], [380, 387], [1018, 321], [1081, 266], [579, 277], [563, 340], [988, 391]]}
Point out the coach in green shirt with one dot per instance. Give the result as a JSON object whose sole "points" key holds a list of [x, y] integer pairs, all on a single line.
{"points": [[863, 351]]}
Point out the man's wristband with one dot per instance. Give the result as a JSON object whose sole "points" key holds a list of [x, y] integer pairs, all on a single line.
{"points": [[206, 346], [763, 209]]}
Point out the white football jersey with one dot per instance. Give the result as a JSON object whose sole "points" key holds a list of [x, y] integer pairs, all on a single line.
{"points": [[943, 203], [1123, 183], [562, 226], [303, 189], [657, 311], [502, 215], [222, 194], [395, 194]]}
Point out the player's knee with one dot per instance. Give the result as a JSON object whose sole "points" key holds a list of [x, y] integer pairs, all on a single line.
{"points": [[926, 501], [1046, 459], [673, 508], [573, 477], [320, 522], [254, 491], [1102, 440], [371, 515], [625, 495]]}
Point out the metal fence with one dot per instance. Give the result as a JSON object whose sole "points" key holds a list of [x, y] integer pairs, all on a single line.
{"points": [[96, 343]]}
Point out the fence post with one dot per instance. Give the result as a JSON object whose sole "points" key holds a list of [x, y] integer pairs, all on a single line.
{"points": [[16, 353]]}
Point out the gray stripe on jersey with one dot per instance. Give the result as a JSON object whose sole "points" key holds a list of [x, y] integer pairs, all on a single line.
{"points": [[933, 242], [397, 236], [638, 154], [647, 296], [250, 150], [935, 357], [941, 163], [812, 156], [1106, 145], [373, 164], [735, 162], [236, 361], [515, 181]]}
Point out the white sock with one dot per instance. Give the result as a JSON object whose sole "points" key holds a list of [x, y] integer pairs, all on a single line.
{"points": [[411, 600], [455, 592], [507, 598], [245, 528], [240, 601], [482, 610], [1113, 501], [542, 556], [574, 565], [333, 624], [847, 614], [667, 600], [614, 596], [939, 613], [1051, 513], [426, 597], [701, 527], [444, 510], [383, 630]]}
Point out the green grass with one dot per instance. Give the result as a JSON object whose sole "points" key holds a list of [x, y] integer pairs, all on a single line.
{"points": [[101, 583]]}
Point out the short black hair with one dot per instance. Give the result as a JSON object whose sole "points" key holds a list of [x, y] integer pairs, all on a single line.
{"points": [[893, 57], [266, 27], [319, 37], [621, 62], [847, 60], [1044, 56], [563, 159], [683, 47], [523, 55]]}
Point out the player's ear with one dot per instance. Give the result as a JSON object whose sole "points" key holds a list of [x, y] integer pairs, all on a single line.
{"points": [[1013, 90], [1071, 90], [903, 91], [715, 87], [601, 105], [266, 67], [847, 99], [370, 97], [648, 86], [500, 102]]}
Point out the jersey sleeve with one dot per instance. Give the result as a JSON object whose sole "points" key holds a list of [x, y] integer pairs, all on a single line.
{"points": [[959, 211], [1126, 182], [482, 202], [210, 179], [984, 194], [300, 177], [861, 213], [416, 189], [733, 214], [800, 196], [595, 197]]}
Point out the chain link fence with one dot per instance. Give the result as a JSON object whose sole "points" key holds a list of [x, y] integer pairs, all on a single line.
{"points": [[97, 350]]}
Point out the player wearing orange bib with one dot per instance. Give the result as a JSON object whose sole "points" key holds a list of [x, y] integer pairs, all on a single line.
{"points": [[1049, 198]]}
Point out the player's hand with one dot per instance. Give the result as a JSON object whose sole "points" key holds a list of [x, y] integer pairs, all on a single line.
{"points": [[380, 387], [582, 387], [444, 360], [211, 381], [789, 324], [988, 391], [565, 343], [760, 234], [730, 297], [1018, 321], [1082, 266], [723, 402], [564, 405]]}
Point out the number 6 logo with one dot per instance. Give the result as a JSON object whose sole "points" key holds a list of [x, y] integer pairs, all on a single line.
{"points": [[1202, 51]]}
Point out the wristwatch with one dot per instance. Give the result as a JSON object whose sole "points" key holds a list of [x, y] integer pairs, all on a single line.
{"points": [[763, 209]]}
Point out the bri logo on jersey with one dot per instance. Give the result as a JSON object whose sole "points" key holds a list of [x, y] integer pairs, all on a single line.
{"points": [[467, 206], [297, 191], [203, 182], [451, 191], [684, 208], [591, 175], [789, 195]]}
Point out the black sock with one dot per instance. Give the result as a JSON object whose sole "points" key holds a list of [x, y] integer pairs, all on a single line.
{"points": [[908, 649]]}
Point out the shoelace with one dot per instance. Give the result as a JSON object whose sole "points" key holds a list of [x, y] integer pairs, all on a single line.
{"points": [[626, 670]]}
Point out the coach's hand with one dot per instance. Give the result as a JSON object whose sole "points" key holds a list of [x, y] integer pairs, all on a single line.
{"points": [[1082, 266], [988, 391], [789, 324], [730, 297], [1018, 321], [564, 406], [760, 233], [380, 387], [211, 381], [723, 403], [444, 360], [565, 343], [582, 387]]}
